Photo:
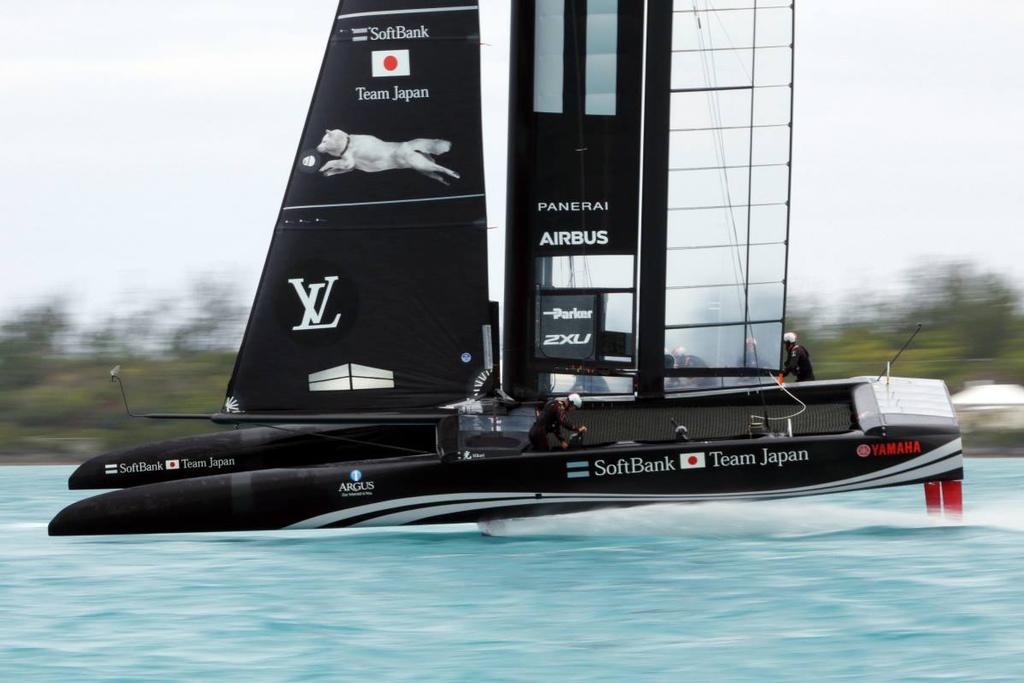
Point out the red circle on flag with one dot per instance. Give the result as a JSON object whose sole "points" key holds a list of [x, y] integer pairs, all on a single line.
{"points": [[692, 460], [863, 450], [391, 62]]}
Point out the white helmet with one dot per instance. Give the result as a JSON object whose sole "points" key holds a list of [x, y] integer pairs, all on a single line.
{"points": [[789, 337], [575, 400]]}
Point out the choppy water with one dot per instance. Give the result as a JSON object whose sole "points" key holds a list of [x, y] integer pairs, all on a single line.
{"points": [[858, 587]]}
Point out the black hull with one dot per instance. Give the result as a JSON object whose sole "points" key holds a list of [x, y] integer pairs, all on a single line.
{"points": [[426, 489]]}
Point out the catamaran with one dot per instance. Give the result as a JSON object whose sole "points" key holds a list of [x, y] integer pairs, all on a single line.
{"points": [[646, 253]]}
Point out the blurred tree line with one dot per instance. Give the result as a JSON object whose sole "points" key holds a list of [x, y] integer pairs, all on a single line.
{"points": [[55, 391], [972, 328], [177, 355]]}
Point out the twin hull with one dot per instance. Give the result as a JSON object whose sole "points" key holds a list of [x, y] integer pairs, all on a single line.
{"points": [[471, 487]]}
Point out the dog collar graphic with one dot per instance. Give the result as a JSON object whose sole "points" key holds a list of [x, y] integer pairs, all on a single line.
{"points": [[348, 141]]}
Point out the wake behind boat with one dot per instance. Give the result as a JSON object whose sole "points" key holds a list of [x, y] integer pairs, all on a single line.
{"points": [[646, 252]]}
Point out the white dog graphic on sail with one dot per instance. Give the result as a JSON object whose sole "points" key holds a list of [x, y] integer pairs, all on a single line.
{"points": [[371, 155]]}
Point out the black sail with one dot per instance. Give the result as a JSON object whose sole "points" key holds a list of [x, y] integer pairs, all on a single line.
{"points": [[374, 292]]}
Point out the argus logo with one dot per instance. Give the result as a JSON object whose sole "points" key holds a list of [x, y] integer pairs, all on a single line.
{"points": [[356, 486]]}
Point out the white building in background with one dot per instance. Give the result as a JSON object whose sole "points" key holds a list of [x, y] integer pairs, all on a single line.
{"points": [[985, 405]]}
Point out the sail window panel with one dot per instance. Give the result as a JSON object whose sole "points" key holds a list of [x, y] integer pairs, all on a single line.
{"points": [[602, 56], [718, 347], [774, 26], [773, 66], [726, 69], [767, 263], [715, 227], [721, 305], [771, 145], [548, 56], [589, 271], [723, 226], [704, 305], [693, 149], [618, 312], [702, 30], [766, 351], [559, 383], [772, 107], [686, 6], [768, 224], [726, 347], [716, 109], [705, 267], [769, 185], [717, 187]]}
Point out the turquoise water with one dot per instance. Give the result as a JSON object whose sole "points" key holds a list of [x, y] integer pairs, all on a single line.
{"points": [[857, 587]]}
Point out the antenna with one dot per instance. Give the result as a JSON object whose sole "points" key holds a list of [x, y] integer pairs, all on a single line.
{"points": [[115, 376], [889, 364]]}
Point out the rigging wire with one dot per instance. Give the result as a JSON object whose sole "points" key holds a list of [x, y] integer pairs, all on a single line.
{"points": [[709, 67], [333, 437]]}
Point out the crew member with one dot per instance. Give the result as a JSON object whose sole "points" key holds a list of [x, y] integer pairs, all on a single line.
{"points": [[552, 419], [798, 360]]}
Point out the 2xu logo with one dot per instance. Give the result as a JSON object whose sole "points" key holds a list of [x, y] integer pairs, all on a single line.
{"points": [[314, 300], [564, 339]]}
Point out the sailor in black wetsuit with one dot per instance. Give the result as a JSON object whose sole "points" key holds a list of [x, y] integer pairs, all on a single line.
{"points": [[798, 361], [552, 418]]}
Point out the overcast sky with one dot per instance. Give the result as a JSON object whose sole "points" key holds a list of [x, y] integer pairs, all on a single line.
{"points": [[145, 143]]}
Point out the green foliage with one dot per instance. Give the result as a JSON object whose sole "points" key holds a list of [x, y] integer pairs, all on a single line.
{"points": [[973, 329], [56, 396]]}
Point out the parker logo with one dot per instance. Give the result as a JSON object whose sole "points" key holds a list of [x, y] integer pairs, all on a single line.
{"points": [[314, 303], [567, 339], [361, 35], [574, 314], [895, 448], [567, 238]]}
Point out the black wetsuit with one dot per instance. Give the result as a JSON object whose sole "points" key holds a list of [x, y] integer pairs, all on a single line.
{"points": [[798, 363], [553, 417]]}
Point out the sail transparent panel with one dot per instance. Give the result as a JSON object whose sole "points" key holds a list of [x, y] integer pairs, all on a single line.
{"points": [[548, 51], [728, 187], [602, 56], [590, 271]]}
